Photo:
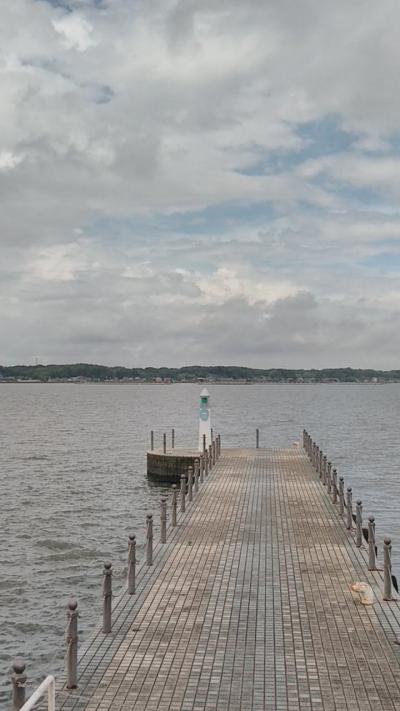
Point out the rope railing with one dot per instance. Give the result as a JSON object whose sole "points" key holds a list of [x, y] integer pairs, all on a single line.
{"points": [[190, 485], [336, 491]]}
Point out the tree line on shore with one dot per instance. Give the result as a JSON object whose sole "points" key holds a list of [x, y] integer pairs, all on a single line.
{"points": [[91, 372]]}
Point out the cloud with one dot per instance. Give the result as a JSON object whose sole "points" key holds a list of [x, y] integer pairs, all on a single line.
{"points": [[220, 174], [76, 32]]}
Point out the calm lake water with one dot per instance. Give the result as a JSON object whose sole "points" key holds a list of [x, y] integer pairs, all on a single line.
{"points": [[73, 483]]}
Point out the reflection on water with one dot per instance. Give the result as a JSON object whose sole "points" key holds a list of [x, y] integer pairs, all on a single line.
{"points": [[74, 485]]}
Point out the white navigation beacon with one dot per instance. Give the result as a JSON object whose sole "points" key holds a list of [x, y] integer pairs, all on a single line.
{"points": [[204, 419]]}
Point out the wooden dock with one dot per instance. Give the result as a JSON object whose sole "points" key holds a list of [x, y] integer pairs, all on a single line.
{"points": [[248, 606]]}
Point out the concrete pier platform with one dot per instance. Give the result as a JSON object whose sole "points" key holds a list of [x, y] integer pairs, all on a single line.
{"points": [[248, 606], [170, 465]]}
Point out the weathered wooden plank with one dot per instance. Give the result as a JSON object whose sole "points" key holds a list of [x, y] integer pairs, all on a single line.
{"points": [[248, 606]]}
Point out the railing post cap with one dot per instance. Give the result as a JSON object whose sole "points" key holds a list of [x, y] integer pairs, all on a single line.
{"points": [[371, 519], [341, 478], [349, 489], [132, 537], [174, 485], [359, 502], [72, 604], [18, 666], [149, 516], [107, 565], [163, 500], [387, 541]]}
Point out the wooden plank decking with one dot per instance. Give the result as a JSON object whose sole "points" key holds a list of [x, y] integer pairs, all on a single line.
{"points": [[248, 607]]}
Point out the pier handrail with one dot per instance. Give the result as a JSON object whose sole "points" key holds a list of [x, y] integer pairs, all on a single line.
{"points": [[49, 685]]}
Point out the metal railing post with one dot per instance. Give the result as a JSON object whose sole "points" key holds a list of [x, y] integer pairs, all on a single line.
{"points": [[387, 569], [149, 539], [205, 458], [174, 506], [164, 443], [334, 486], [183, 493], [71, 639], [204, 443], [196, 475], [329, 478], [202, 469], [132, 565], [18, 680], [257, 438], [349, 503], [152, 440], [210, 462], [107, 597], [190, 484], [172, 438], [163, 520], [341, 496], [359, 533], [324, 460], [371, 543]]}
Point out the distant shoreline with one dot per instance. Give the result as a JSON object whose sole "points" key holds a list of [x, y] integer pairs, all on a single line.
{"points": [[78, 373]]}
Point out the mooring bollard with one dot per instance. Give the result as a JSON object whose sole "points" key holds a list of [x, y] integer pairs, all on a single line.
{"points": [[359, 532], [257, 438], [164, 443], [107, 597], [132, 565], [152, 440], [349, 503], [196, 475], [149, 539], [163, 520], [371, 543], [204, 443], [190, 484], [173, 506], [71, 639], [202, 469], [341, 496], [172, 438], [183, 493], [18, 680], [387, 569], [334, 486]]}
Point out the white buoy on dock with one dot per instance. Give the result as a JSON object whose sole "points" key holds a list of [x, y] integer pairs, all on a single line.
{"points": [[204, 419]]}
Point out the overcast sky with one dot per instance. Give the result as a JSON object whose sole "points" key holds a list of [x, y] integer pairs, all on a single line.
{"points": [[200, 181]]}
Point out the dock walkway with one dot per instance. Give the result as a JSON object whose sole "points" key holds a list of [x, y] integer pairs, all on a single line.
{"points": [[248, 606]]}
